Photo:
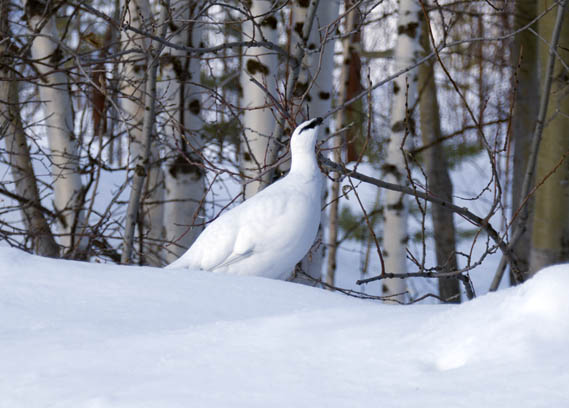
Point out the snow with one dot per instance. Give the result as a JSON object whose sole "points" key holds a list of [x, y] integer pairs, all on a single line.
{"points": [[76, 334]]}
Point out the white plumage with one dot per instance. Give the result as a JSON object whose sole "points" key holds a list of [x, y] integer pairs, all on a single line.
{"points": [[268, 234]]}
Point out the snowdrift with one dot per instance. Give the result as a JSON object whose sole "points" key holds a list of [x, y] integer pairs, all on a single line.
{"points": [[87, 335]]}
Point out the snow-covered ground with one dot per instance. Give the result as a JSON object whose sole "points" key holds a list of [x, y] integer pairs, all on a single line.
{"points": [[88, 335]]}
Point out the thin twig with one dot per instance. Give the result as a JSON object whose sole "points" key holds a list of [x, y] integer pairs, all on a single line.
{"points": [[369, 226], [482, 223]]}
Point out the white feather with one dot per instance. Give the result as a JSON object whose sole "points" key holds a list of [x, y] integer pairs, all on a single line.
{"points": [[272, 231]]}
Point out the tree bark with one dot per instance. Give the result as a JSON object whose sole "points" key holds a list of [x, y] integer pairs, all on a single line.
{"points": [[550, 233], [536, 139], [143, 152], [524, 51], [333, 226], [258, 121], [139, 71], [43, 242], [56, 102], [293, 73], [438, 178], [184, 175], [316, 83], [395, 234]]}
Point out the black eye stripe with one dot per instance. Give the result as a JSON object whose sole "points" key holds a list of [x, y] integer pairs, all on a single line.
{"points": [[315, 122]]}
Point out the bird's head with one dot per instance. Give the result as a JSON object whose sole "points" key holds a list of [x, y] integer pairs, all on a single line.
{"points": [[304, 137]]}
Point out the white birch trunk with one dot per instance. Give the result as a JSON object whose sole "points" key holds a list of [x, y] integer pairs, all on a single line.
{"points": [[317, 69], [316, 77], [18, 151], [184, 176], [56, 102], [258, 121], [138, 15], [395, 235]]}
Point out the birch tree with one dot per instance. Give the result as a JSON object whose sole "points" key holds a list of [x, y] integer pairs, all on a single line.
{"points": [[315, 87], [58, 119], [137, 13], [315, 83], [12, 131], [395, 234], [349, 26], [184, 175], [258, 120]]}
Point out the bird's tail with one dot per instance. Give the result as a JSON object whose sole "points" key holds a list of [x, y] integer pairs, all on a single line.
{"points": [[174, 265]]}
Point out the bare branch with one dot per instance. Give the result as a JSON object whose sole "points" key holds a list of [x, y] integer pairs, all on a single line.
{"points": [[482, 223]]}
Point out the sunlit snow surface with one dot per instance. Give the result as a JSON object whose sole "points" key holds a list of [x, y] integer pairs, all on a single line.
{"points": [[86, 335]]}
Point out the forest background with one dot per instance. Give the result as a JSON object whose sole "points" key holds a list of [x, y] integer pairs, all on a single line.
{"points": [[125, 127]]}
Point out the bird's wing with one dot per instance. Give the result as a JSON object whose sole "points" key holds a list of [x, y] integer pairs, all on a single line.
{"points": [[240, 232], [235, 257], [237, 234], [220, 244]]}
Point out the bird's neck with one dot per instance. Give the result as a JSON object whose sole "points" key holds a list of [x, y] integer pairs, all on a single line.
{"points": [[304, 164]]}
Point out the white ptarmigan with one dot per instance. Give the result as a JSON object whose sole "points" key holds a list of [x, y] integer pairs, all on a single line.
{"points": [[268, 234]]}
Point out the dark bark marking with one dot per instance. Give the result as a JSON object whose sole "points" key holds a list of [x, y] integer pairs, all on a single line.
{"points": [[140, 170], [56, 56], [399, 126], [37, 8], [186, 165], [398, 206], [391, 169], [396, 88], [298, 28], [269, 21], [254, 66], [195, 106], [299, 89], [410, 29]]}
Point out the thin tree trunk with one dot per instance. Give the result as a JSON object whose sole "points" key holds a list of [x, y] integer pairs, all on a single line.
{"points": [[20, 162], [337, 150], [114, 144], [438, 178], [56, 101], [258, 121], [524, 51], [317, 78], [140, 134], [23, 174], [353, 137], [550, 233], [139, 73], [395, 234], [184, 175], [293, 72], [152, 210]]}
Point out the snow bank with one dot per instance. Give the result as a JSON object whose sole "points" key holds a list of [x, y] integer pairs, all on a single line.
{"points": [[86, 335]]}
